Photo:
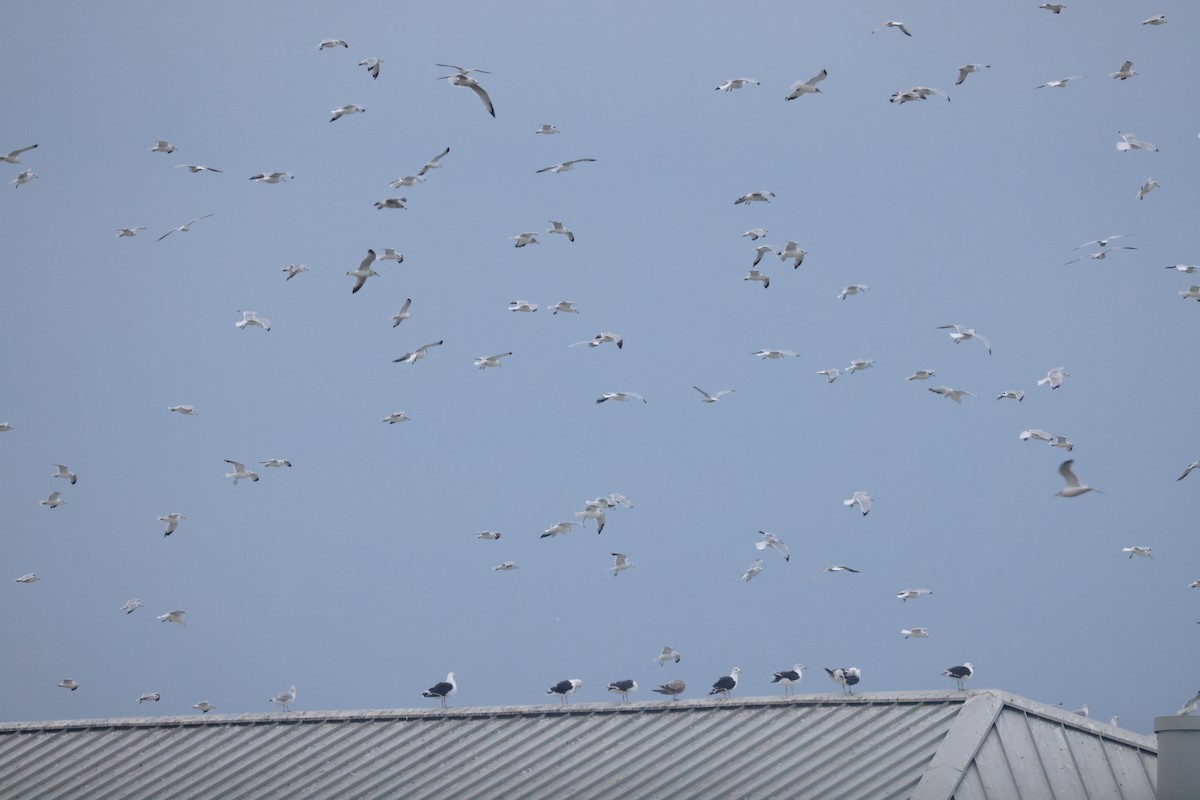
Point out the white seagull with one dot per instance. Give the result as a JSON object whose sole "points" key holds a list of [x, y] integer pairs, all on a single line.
{"points": [[363, 272], [619, 396], [1035, 433], [413, 356], [194, 168], [793, 251], [467, 82], [565, 306], [442, 689], [1138, 550], [187, 411], [557, 227], [852, 289], [240, 471], [372, 65], [831, 375], [63, 472], [1146, 188], [917, 93], [1189, 708], [623, 688], [911, 594], [251, 319], [1099, 255], [490, 536], [754, 197], [152, 697], [961, 334], [557, 528], [121, 232], [276, 462], [11, 157], [522, 239], [286, 698], [764, 354], [391, 254], [483, 362], [68, 683], [602, 338], [755, 275], [1190, 467], [954, 394], [801, 88], [24, 177], [754, 234], [833, 568], [522, 306], [1187, 268], [28, 577], [715, 396], [771, 540], [668, 654], [293, 270], [1011, 394], [349, 108], [760, 251], [163, 147], [1074, 487], [185, 227], [1124, 71], [463, 70], [921, 375], [1053, 8], [621, 563], [53, 501], [967, 69], [204, 707], [726, 684], [1061, 441], [862, 500], [1103, 242], [173, 616], [272, 177], [407, 180], [915, 633], [403, 313], [131, 606], [1131, 142], [1161, 19], [505, 566], [565, 166], [172, 522], [328, 43], [1061, 82], [392, 202], [736, 83], [1054, 378], [858, 365], [547, 129], [893, 24], [396, 416], [753, 570], [788, 678], [960, 674], [433, 163]]}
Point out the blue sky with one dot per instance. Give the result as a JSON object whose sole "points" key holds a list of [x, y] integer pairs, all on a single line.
{"points": [[355, 575]]}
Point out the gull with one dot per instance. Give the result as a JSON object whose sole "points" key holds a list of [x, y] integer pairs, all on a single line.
{"points": [[793, 251], [24, 177], [1074, 487], [911, 594], [442, 689], [967, 69], [915, 633], [619, 396], [11, 158], [621, 499], [1103, 242], [372, 65], [736, 83], [726, 684], [1011, 394], [349, 108], [463, 70], [194, 168], [788, 678], [623, 688], [1146, 188], [272, 177], [754, 234], [833, 568], [414, 356], [276, 462], [547, 129], [852, 289], [403, 313], [917, 93], [5, 426], [505, 566], [392, 202], [565, 688], [1131, 142], [831, 375], [845, 677], [163, 147], [483, 362], [893, 24], [153, 697], [862, 500], [775, 353], [1188, 268], [53, 501], [173, 616], [204, 706], [407, 180], [185, 227], [172, 521], [187, 411], [1061, 82], [1082, 711], [564, 166], [753, 570], [28, 577], [433, 163], [565, 306], [396, 416], [801, 88], [286, 698], [961, 334], [1036, 433], [1053, 8], [1061, 441], [771, 540], [1188, 708], [1138, 550], [363, 272], [390, 254], [672, 688], [1190, 467], [490, 536], [129, 231], [754, 197], [715, 396], [328, 43], [523, 306], [239, 472], [1099, 255], [921, 375], [251, 319], [523, 239], [954, 394], [63, 472], [293, 270], [1054, 377], [466, 81], [859, 364], [1124, 71], [557, 227], [1161, 19], [755, 275], [131, 606], [962, 674], [668, 654], [621, 563], [557, 528], [68, 683], [760, 251]]}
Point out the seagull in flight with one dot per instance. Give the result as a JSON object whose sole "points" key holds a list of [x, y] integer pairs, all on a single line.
{"points": [[619, 396], [1147, 187], [954, 394], [1188, 470], [764, 354], [1011, 394], [1074, 487], [407, 180], [271, 177], [173, 616], [392, 202], [1053, 8], [858, 365], [831, 375], [240, 471], [68, 683], [285, 699], [755, 275], [131, 606], [163, 147], [557, 528], [185, 227], [1124, 71], [668, 654], [152, 697], [396, 416], [328, 43], [466, 81], [251, 319], [433, 163], [32, 577], [413, 356], [490, 536], [754, 197], [204, 707], [565, 166], [1131, 142], [736, 83], [621, 563], [754, 234], [1054, 377], [967, 69], [63, 472], [715, 396], [194, 168], [761, 251], [1036, 434], [363, 272], [753, 570], [547, 129], [565, 306], [187, 411], [852, 289], [525, 238], [11, 158], [801, 88], [833, 568], [372, 65], [276, 462], [1191, 293], [1099, 255], [911, 594], [1161, 19], [915, 633], [522, 306], [771, 540], [293, 270], [557, 227], [916, 93], [860, 499], [1061, 83], [402, 314], [1189, 708], [53, 501], [793, 251], [893, 24], [463, 70], [23, 178], [1138, 550], [483, 362], [349, 108], [921, 375], [505, 566], [129, 231], [172, 522], [1103, 242], [960, 334]]}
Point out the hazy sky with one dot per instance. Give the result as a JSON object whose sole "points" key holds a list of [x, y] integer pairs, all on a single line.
{"points": [[355, 575]]}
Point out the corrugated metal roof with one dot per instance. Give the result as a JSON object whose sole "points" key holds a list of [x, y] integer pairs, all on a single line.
{"points": [[919, 745]]}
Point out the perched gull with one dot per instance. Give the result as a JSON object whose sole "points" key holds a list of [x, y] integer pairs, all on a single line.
{"points": [[466, 81], [396, 416], [860, 499], [1131, 142], [11, 157], [185, 227], [753, 570], [893, 24], [28, 577], [68, 683], [392, 202], [363, 272], [293, 270], [286, 698], [921, 375], [565, 688], [619, 396], [328, 43], [372, 65], [1054, 377], [961, 334], [726, 684], [403, 313], [172, 522], [754, 197], [121, 232], [433, 163], [163, 147], [349, 108], [801, 88], [1074, 487], [24, 177], [153, 697], [483, 362], [522, 306], [1146, 188], [754, 234], [204, 707], [194, 168], [775, 353], [1138, 550], [858, 365], [173, 616], [668, 654], [547, 129], [276, 462], [788, 678], [845, 677], [715, 396], [771, 540], [755, 275], [1061, 82], [564, 166], [442, 689], [1161, 19], [967, 69], [915, 633], [623, 688], [954, 394], [272, 177], [557, 528], [672, 688], [505, 566], [490, 536], [522, 239], [852, 289], [1189, 708], [251, 319], [960, 674], [565, 306], [1124, 71], [1190, 467], [413, 356], [131, 606], [63, 472], [557, 227], [187, 411], [240, 471], [53, 501], [1053, 8], [831, 375], [736, 83], [911, 594]]}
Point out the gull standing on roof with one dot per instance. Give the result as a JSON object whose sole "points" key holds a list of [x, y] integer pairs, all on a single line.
{"points": [[172, 522], [736, 83], [862, 500], [349, 108], [564, 166], [187, 411], [557, 227], [442, 689], [911, 594], [1138, 550], [1131, 142], [967, 69], [915, 633], [754, 197], [623, 688], [954, 394], [11, 157], [960, 333], [131, 606], [893, 24], [240, 471], [372, 65], [24, 177], [755, 275], [753, 570], [619, 396], [845, 677], [1054, 378], [293, 270], [1124, 71], [413, 356], [363, 272], [525, 238], [271, 177], [483, 362], [162, 146], [771, 540], [1011, 394], [726, 684], [396, 416], [53, 501], [668, 654], [565, 306], [565, 689], [852, 289], [204, 707], [557, 528], [28, 577], [1189, 708], [68, 683], [801, 88], [1061, 82], [1074, 487], [185, 227], [63, 472], [285, 698], [960, 674], [715, 396], [831, 375], [173, 616], [788, 678], [121, 232], [547, 129], [621, 563], [921, 375], [194, 168], [1146, 188], [672, 688], [328, 43]]}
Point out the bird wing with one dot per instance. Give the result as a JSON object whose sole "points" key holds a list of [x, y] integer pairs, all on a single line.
{"points": [[577, 161], [487, 101], [1064, 469], [368, 261], [238, 467], [820, 76], [15, 153]]}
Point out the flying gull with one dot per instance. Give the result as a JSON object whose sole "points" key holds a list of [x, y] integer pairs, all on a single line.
{"points": [[11, 157], [753, 570], [911, 594], [293, 270], [547, 129], [954, 394], [442, 689], [557, 528], [771, 540], [564, 166], [1011, 394], [402, 314], [565, 306], [63, 472], [1103, 242], [131, 606], [194, 168], [31, 577], [736, 83], [328, 43], [754, 234], [1147, 187], [162, 146], [396, 416], [834, 568], [23, 178], [727, 683], [187, 411], [1187, 471], [172, 522], [755, 275], [122, 232], [505, 566], [363, 272], [960, 333], [754, 197], [858, 365], [152, 697], [1099, 255], [467, 82], [204, 707], [413, 356], [68, 683], [1054, 377], [173, 616], [602, 338], [715, 396], [852, 289], [1124, 71], [1061, 83], [557, 227], [862, 500], [392, 202], [272, 177], [893, 24], [433, 163], [764, 354], [620, 563], [831, 375], [1053, 8], [251, 319], [53, 501], [487, 535], [372, 65], [240, 471], [483, 362], [668, 654], [1074, 487], [619, 396], [921, 375], [915, 633], [522, 239], [967, 69], [185, 227], [801, 88], [349, 108], [1139, 550], [1131, 142]]}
